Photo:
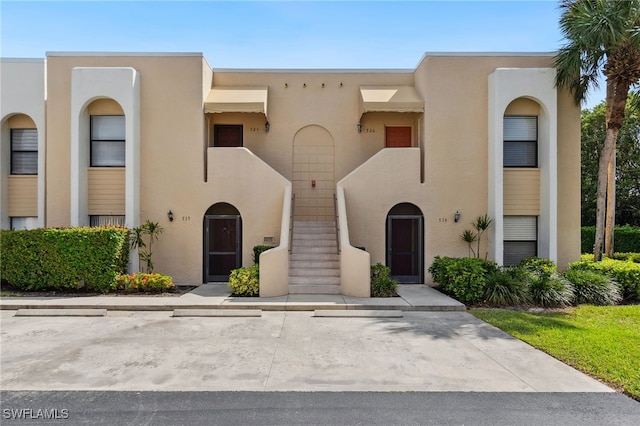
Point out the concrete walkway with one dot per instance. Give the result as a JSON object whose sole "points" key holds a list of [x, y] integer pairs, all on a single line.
{"points": [[218, 296]]}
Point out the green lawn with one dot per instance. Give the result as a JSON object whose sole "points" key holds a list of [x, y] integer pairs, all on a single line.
{"points": [[602, 341]]}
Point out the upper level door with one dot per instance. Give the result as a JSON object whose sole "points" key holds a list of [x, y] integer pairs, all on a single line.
{"points": [[227, 135], [398, 137]]}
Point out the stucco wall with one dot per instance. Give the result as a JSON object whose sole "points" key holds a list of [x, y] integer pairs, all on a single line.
{"points": [[445, 172], [23, 93]]}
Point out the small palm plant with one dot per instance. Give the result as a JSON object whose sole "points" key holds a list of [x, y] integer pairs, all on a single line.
{"points": [[153, 231], [481, 224], [469, 237]]}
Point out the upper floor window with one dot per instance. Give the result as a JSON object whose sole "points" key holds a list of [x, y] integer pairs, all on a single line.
{"points": [[520, 136], [107, 141], [24, 152]]}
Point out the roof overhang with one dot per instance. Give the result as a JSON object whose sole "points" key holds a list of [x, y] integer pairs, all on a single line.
{"points": [[237, 99], [390, 99]]}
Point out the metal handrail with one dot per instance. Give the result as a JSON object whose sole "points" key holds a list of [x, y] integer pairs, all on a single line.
{"points": [[293, 201], [335, 211]]}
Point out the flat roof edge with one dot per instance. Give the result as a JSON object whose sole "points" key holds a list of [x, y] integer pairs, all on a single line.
{"points": [[124, 54], [489, 54], [34, 60], [317, 70]]}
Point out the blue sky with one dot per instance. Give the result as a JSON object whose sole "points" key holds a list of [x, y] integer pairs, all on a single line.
{"points": [[283, 34]]}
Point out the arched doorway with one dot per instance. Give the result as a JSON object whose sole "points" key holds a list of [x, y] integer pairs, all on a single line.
{"points": [[222, 229], [313, 174], [405, 243]]}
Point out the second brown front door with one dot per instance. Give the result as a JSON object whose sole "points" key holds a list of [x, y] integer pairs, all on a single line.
{"points": [[398, 137]]}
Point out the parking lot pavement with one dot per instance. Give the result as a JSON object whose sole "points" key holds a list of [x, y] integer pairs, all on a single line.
{"points": [[276, 351]]}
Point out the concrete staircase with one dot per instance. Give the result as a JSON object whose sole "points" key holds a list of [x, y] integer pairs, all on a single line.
{"points": [[314, 264]]}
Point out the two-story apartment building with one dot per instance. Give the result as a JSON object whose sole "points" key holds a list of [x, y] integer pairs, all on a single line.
{"points": [[397, 162]]}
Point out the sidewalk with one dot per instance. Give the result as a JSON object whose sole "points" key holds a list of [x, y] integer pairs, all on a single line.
{"points": [[218, 296]]}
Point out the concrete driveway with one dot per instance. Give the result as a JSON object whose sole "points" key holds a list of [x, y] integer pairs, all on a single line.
{"points": [[275, 351]]}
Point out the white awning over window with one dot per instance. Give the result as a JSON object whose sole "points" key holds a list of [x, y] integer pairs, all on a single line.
{"points": [[237, 99], [390, 99]]}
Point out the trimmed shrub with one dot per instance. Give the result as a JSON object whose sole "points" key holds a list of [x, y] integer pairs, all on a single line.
{"points": [[464, 278], [63, 259], [257, 250], [593, 288], [625, 273], [627, 238], [507, 287], [550, 291], [245, 281], [145, 283], [634, 257], [382, 285], [539, 265]]}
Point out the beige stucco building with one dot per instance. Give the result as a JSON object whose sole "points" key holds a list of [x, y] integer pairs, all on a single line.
{"points": [[398, 162]]}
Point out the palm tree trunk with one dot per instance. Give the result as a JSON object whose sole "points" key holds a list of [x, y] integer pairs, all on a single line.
{"points": [[611, 206], [616, 101]]}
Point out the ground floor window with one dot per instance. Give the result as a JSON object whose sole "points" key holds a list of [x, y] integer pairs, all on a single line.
{"points": [[520, 238], [20, 223], [105, 220]]}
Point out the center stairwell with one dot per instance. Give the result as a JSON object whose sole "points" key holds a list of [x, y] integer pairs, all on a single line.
{"points": [[314, 263]]}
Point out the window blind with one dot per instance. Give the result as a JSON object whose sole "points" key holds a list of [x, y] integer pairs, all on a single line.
{"points": [[24, 151], [107, 141], [106, 221], [520, 228], [520, 128], [520, 136]]}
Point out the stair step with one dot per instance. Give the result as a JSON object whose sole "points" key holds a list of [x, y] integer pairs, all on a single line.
{"points": [[314, 250], [314, 281], [314, 236], [314, 289], [313, 272], [314, 264], [314, 223], [313, 243], [324, 257]]}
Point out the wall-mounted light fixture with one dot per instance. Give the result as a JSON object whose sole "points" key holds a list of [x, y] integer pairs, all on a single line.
{"points": [[286, 85], [323, 85], [267, 126], [359, 128], [304, 84], [170, 216], [456, 216]]}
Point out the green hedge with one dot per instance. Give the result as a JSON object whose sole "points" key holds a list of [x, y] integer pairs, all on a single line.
{"points": [[63, 259], [245, 281], [625, 273], [257, 250], [382, 285], [626, 239], [464, 278]]}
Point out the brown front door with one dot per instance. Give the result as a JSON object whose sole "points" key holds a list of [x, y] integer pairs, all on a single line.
{"points": [[398, 137], [227, 135], [222, 246]]}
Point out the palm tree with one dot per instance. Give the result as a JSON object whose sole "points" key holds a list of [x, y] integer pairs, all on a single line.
{"points": [[603, 38]]}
